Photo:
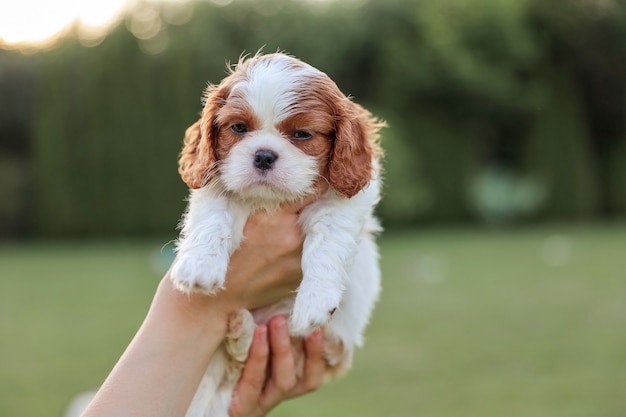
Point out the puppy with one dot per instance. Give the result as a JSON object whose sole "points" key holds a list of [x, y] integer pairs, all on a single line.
{"points": [[274, 131]]}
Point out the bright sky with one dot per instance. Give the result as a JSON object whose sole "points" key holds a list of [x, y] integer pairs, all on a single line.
{"points": [[38, 21]]}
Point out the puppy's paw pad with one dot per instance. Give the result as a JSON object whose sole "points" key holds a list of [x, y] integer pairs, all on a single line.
{"points": [[239, 335], [240, 323]]}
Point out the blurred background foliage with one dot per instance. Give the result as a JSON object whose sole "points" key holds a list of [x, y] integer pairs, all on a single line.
{"points": [[499, 111]]}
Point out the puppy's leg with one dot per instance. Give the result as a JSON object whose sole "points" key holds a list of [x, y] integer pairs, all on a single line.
{"points": [[236, 345], [205, 244], [333, 227], [329, 248], [209, 386], [317, 298], [345, 330]]}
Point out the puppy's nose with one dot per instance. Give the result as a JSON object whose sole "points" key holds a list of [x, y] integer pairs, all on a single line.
{"points": [[264, 159]]}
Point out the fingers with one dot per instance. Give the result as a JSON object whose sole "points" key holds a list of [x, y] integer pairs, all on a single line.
{"points": [[267, 265], [252, 380], [283, 364], [256, 394], [314, 363], [283, 369], [283, 383]]}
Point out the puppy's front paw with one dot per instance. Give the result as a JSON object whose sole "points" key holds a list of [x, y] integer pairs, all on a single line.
{"points": [[204, 274], [311, 311]]}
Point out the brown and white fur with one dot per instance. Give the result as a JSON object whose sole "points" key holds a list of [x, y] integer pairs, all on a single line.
{"points": [[277, 130]]}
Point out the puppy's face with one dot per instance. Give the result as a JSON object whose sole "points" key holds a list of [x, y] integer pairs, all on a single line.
{"points": [[276, 130], [273, 141]]}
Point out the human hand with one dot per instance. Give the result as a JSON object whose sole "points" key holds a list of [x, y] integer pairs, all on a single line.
{"points": [[256, 392], [263, 270], [181, 332], [266, 267]]}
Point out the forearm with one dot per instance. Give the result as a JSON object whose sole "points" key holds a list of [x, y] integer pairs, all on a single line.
{"points": [[160, 370]]}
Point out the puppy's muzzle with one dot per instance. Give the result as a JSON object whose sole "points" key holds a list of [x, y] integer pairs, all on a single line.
{"points": [[264, 159]]}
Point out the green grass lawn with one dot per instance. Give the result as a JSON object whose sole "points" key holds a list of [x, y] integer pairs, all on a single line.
{"points": [[524, 323]]}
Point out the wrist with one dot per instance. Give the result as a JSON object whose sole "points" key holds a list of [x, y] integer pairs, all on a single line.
{"points": [[193, 314]]}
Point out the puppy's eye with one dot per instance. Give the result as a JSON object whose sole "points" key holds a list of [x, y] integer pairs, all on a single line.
{"points": [[302, 135], [239, 128]]}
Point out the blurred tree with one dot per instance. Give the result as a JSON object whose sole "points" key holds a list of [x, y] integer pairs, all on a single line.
{"points": [[558, 150], [526, 89], [17, 98], [588, 39]]}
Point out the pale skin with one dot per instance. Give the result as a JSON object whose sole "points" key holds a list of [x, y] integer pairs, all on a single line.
{"points": [[160, 370]]}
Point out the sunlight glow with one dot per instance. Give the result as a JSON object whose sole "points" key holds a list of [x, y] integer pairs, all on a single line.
{"points": [[35, 24], [38, 22]]}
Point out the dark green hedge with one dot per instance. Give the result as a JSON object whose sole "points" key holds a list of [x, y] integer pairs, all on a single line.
{"points": [[498, 110]]}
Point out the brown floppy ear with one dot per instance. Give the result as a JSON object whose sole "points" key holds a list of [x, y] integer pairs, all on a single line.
{"points": [[195, 158], [197, 162], [356, 135]]}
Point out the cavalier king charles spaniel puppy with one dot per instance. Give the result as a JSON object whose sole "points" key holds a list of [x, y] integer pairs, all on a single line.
{"points": [[274, 131]]}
